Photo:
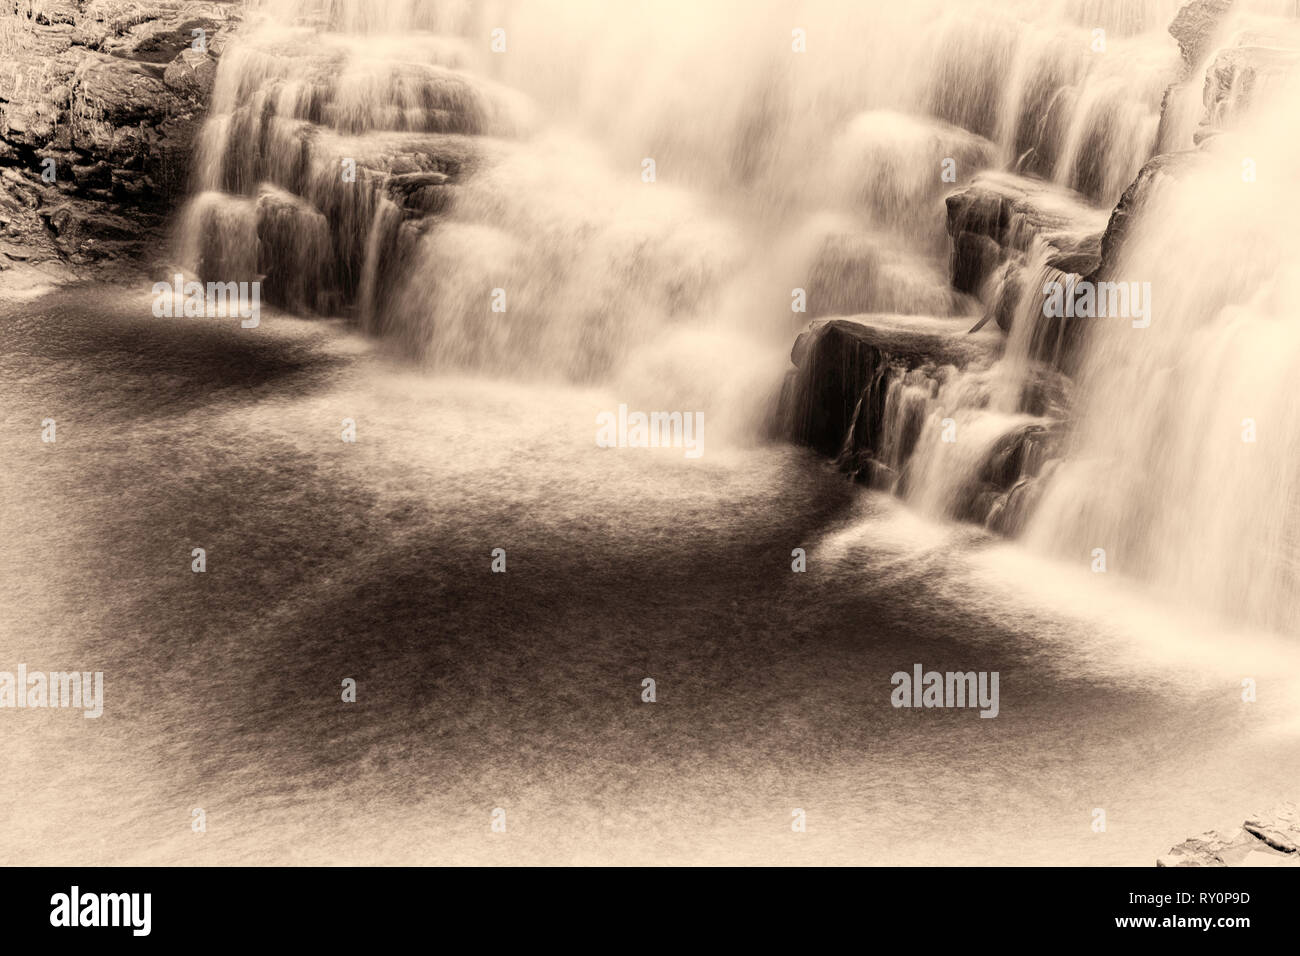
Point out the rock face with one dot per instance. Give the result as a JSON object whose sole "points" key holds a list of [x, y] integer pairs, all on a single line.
{"points": [[837, 364], [1010, 234], [1195, 27], [99, 102], [864, 391], [1166, 165], [1269, 840], [1014, 210]]}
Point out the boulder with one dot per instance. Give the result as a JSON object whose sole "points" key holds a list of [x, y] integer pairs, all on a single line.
{"points": [[1195, 26], [841, 363], [191, 74]]}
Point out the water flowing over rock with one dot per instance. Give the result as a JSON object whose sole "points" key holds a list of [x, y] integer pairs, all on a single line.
{"points": [[1010, 236], [887, 396], [379, 163], [1237, 76], [860, 214], [1166, 416], [1070, 461], [867, 263]]}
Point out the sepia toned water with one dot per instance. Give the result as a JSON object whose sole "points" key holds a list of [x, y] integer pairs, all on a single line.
{"points": [[523, 172], [328, 560]]}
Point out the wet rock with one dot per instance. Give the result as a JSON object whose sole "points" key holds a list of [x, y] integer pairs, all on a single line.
{"points": [[1269, 840], [1195, 27], [420, 193], [191, 74], [293, 249], [974, 257], [998, 223], [1014, 211], [1149, 178], [1015, 454], [835, 363], [841, 365]]}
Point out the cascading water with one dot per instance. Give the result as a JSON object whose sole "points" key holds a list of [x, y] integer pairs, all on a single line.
{"points": [[1183, 467], [499, 220], [914, 177], [464, 178]]}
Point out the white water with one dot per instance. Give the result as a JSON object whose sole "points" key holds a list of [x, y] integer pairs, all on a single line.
{"points": [[521, 171], [754, 146], [330, 559], [1184, 466]]}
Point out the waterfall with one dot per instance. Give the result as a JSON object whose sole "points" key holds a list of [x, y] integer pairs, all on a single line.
{"points": [[595, 193], [1183, 466], [521, 170]]}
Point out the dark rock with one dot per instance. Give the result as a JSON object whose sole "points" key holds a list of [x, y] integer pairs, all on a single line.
{"points": [[191, 74], [842, 365], [996, 223], [1135, 197], [293, 249], [974, 257], [1015, 211], [836, 362]]}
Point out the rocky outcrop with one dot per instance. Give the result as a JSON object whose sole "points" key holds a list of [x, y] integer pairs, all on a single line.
{"points": [[1195, 27], [99, 104], [837, 363], [1010, 234], [1269, 840], [865, 390], [999, 216], [860, 394], [1161, 168], [1236, 77]]}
